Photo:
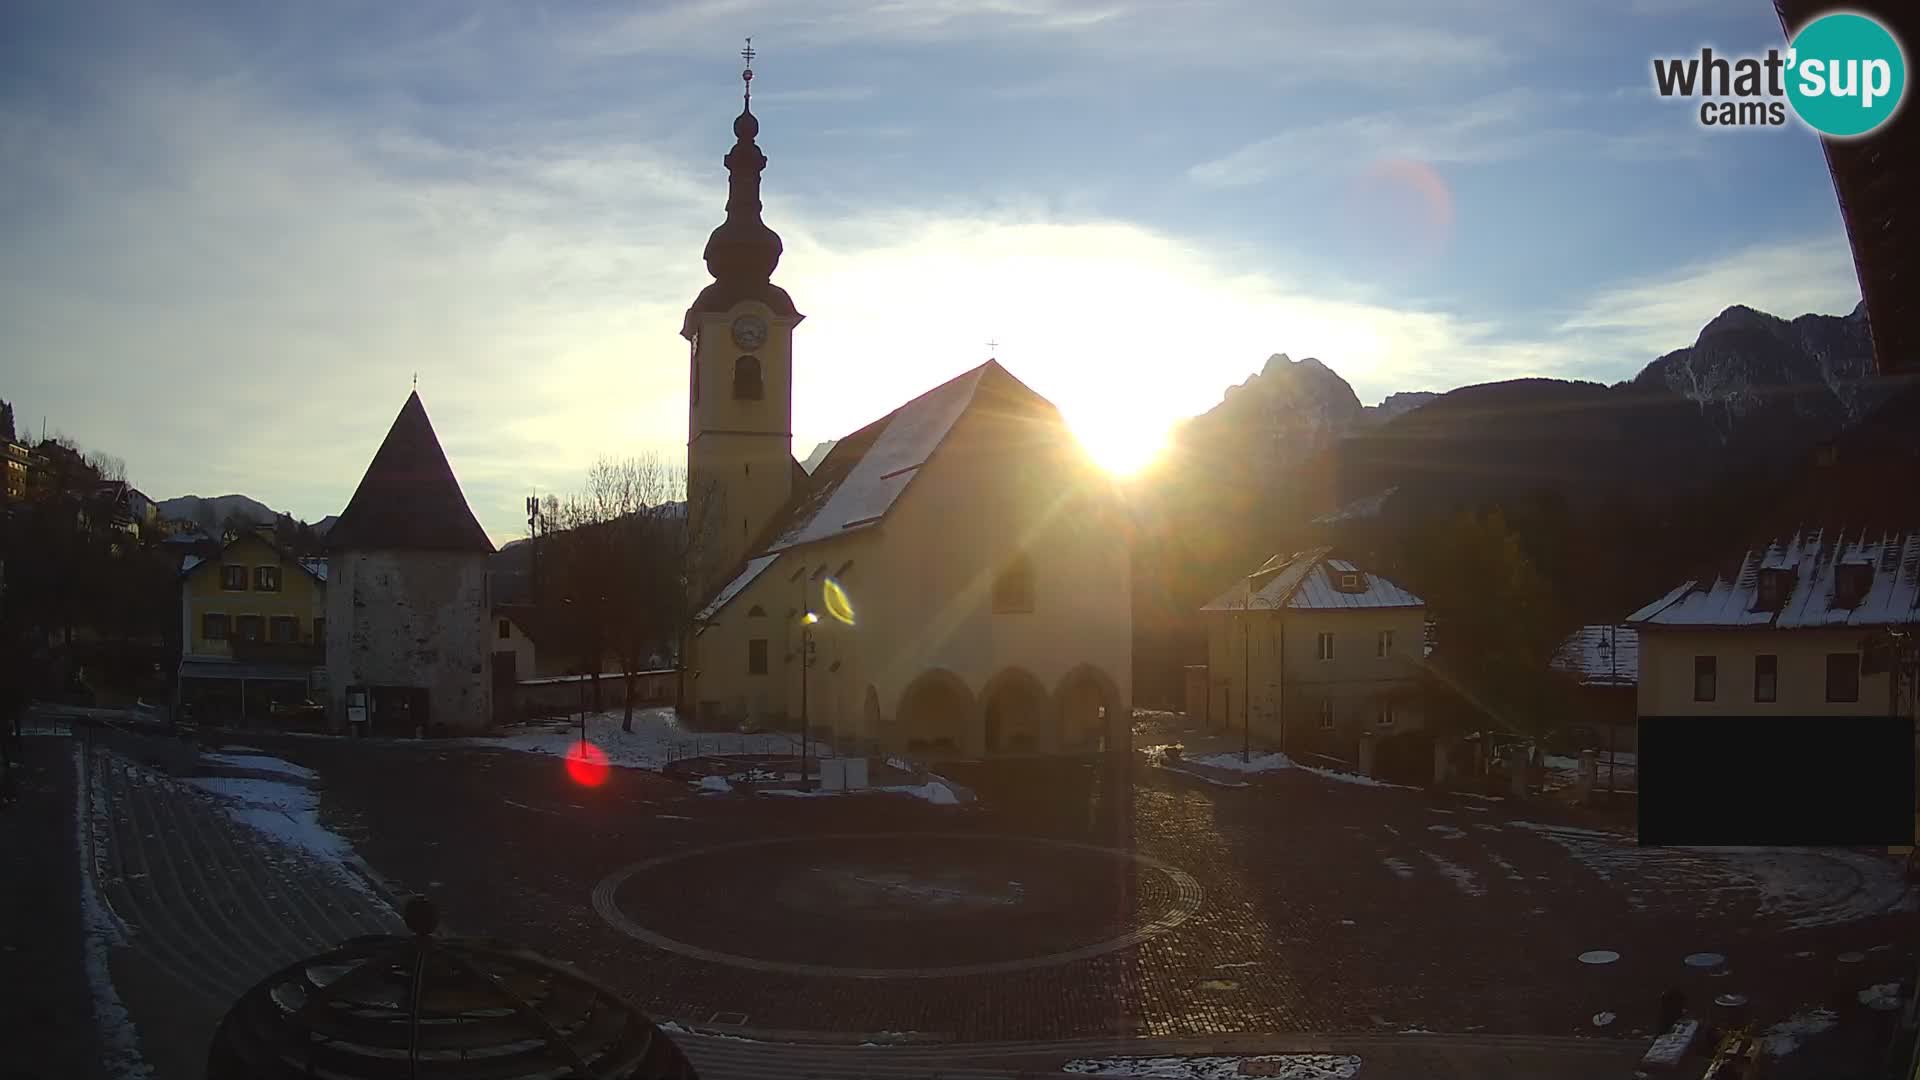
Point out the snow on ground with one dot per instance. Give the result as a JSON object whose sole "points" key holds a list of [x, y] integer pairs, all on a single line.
{"points": [[119, 1041], [1566, 770], [1806, 888], [1448, 832], [1269, 762], [933, 791], [1281, 1066], [288, 814], [1881, 996], [1784, 1037], [712, 785], [257, 762], [657, 740], [1462, 878], [1400, 867]]}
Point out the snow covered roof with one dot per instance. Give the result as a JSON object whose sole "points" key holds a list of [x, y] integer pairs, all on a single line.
{"points": [[1601, 655], [1305, 581], [733, 588], [187, 564], [1729, 598], [865, 473], [316, 567]]}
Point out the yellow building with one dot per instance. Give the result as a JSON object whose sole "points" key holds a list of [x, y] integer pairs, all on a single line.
{"points": [[252, 631], [963, 557], [1312, 653], [1784, 630]]}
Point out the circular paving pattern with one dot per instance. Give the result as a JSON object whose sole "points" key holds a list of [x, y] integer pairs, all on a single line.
{"points": [[897, 905]]}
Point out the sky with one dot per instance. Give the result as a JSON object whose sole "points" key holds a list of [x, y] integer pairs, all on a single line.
{"points": [[238, 230]]}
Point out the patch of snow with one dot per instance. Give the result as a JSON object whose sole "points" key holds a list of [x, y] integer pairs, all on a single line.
{"points": [[1599, 956], [262, 763], [1400, 867], [672, 817], [1883, 997], [119, 1041], [1279, 1066], [656, 741], [1602, 1019], [713, 785], [1462, 878], [1671, 1047], [1448, 832], [1705, 960], [286, 814], [932, 791], [1784, 1037], [1513, 872]]}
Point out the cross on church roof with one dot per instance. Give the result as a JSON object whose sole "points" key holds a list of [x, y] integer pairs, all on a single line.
{"points": [[746, 75], [992, 346]]}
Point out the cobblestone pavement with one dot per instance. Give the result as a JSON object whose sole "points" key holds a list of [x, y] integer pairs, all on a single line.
{"points": [[1327, 907], [1356, 914], [209, 906]]}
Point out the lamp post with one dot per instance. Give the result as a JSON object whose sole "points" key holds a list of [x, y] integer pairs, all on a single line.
{"points": [[806, 661]]}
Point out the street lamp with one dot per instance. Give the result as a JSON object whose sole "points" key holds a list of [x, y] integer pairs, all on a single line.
{"points": [[806, 661]]}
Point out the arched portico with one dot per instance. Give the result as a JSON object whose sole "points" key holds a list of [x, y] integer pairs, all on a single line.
{"points": [[933, 714], [1015, 717], [1089, 707]]}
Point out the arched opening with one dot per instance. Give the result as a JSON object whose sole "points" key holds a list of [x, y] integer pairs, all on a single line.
{"points": [[1015, 716], [932, 718], [1091, 711], [870, 717], [746, 378]]}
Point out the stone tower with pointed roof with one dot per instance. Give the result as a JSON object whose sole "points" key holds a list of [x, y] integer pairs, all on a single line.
{"points": [[740, 467], [408, 609]]}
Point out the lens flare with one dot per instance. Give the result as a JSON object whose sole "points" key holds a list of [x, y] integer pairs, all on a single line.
{"points": [[837, 603], [587, 764]]}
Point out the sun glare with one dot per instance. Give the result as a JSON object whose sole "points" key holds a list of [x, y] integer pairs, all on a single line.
{"points": [[1120, 446]]}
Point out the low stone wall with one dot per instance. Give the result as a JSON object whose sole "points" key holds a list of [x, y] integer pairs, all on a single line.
{"points": [[564, 693]]}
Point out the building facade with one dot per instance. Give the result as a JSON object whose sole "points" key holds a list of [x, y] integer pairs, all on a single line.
{"points": [[952, 579], [1789, 628], [252, 632], [410, 631], [1314, 653]]}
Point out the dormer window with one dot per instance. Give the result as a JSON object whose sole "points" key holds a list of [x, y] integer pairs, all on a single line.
{"points": [[1350, 582], [746, 379], [1772, 588], [1851, 583]]}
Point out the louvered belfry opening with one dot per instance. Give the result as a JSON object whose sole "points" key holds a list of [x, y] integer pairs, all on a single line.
{"points": [[413, 1006]]}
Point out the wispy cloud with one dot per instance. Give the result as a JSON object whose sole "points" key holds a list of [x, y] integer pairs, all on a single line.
{"points": [[1502, 126], [1665, 311]]}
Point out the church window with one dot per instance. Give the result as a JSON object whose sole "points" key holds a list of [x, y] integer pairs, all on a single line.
{"points": [[1013, 589], [746, 378], [693, 362], [757, 656], [506, 629]]}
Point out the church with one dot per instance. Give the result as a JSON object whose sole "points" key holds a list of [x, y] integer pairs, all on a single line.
{"points": [[953, 579]]}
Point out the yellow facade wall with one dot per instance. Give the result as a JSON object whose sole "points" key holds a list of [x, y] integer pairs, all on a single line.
{"points": [[1667, 669], [299, 597]]}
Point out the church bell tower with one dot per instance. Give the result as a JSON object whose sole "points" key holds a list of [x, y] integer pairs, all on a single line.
{"points": [[740, 396]]}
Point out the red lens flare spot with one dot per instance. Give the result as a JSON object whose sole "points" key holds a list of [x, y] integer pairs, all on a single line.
{"points": [[587, 764]]}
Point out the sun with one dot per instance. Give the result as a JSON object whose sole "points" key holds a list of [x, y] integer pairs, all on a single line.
{"points": [[1120, 445]]}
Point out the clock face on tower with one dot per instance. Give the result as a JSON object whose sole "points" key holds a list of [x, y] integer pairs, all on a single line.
{"points": [[749, 332]]}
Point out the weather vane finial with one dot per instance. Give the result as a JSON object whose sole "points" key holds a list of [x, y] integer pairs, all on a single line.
{"points": [[746, 75]]}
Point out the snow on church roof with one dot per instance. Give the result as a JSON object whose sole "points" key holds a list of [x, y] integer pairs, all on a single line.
{"points": [[1812, 556], [866, 472], [734, 588]]}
